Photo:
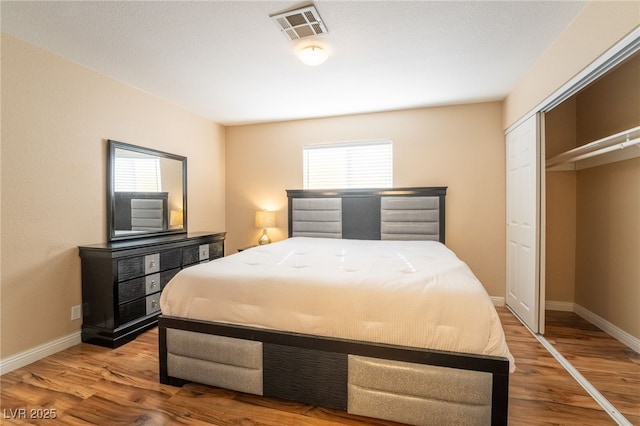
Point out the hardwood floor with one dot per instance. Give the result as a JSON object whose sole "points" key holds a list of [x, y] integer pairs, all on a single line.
{"points": [[92, 385], [541, 391], [612, 367]]}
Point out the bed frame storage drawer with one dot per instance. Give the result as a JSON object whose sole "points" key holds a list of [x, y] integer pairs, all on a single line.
{"points": [[386, 389], [122, 282], [311, 376], [403, 384], [230, 363]]}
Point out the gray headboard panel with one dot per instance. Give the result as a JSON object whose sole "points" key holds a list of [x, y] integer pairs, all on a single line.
{"points": [[147, 215], [317, 217], [135, 211], [372, 214], [410, 218]]}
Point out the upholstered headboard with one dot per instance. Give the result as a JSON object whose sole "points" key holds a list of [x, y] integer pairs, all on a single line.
{"points": [[369, 214], [141, 211], [148, 215]]}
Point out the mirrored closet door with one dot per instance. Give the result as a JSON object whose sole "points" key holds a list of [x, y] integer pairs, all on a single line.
{"points": [[592, 233]]}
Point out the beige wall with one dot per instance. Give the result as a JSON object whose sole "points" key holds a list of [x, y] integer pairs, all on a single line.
{"points": [[56, 117], [461, 147], [598, 27], [608, 243], [593, 231], [608, 203], [611, 104], [560, 136], [560, 235]]}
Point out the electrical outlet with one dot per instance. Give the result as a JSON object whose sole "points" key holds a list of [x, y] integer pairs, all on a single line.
{"points": [[76, 312]]}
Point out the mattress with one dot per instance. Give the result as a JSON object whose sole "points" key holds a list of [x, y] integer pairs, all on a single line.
{"points": [[408, 293]]}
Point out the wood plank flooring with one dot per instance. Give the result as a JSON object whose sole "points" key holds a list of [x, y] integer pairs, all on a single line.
{"points": [[92, 385], [612, 367]]}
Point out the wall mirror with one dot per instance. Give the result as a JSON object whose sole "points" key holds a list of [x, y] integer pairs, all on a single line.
{"points": [[146, 192]]}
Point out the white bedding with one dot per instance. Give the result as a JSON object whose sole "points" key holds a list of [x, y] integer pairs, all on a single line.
{"points": [[409, 293]]}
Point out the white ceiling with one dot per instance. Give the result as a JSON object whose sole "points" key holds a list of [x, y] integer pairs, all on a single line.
{"points": [[228, 61]]}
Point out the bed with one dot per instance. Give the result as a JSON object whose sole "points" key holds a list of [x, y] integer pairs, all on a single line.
{"points": [[363, 309]]}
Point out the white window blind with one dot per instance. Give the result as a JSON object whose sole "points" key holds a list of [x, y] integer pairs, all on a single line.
{"points": [[348, 165], [134, 174]]}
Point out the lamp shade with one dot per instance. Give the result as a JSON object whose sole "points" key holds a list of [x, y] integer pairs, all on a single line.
{"points": [[176, 218], [265, 219], [312, 55]]}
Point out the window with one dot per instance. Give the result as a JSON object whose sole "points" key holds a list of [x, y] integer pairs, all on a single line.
{"points": [[348, 165], [137, 174]]}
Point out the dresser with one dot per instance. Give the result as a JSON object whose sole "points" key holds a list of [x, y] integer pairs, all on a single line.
{"points": [[122, 281]]}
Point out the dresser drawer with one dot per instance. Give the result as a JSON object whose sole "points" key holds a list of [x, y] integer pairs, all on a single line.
{"points": [[202, 253], [139, 308], [153, 303], [139, 287], [122, 281], [133, 267], [216, 250], [132, 310], [195, 254]]}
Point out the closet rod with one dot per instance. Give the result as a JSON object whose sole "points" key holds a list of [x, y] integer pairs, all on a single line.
{"points": [[607, 149], [620, 140]]}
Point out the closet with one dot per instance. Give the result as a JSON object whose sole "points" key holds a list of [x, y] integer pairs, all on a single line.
{"points": [[592, 212], [573, 223]]}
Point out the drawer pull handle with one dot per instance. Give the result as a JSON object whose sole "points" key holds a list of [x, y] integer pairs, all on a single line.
{"points": [[153, 283], [153, 264], [154, 304]]}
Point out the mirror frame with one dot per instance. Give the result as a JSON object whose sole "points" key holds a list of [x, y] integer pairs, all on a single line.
{"points": [[111, 231]]}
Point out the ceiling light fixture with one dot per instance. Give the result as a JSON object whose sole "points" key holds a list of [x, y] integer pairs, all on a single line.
{"points": [[312, 55], [304, 23]]}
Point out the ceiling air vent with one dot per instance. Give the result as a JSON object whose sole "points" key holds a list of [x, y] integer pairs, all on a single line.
{"points": [[300, 23]]}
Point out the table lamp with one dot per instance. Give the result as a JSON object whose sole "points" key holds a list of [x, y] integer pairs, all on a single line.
{"points": [[265, 219], [176, 219]]}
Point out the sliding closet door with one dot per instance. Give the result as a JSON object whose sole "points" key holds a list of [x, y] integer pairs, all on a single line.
{"points": [[523, 222]]}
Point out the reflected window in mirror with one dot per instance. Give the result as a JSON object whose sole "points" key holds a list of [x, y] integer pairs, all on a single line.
{"points": [[137, 173], [147, 193]]}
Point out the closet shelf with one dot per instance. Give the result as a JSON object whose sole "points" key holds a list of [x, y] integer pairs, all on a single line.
{"points": [[618, 147]]}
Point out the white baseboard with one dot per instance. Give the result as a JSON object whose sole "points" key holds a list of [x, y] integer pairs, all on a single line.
{"points": [[497, 301], [554, 305], [611, 329], [604, 325], [34, 354]]}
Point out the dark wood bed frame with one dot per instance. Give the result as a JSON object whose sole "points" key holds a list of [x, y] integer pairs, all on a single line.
{"points": [[313, 369]]}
